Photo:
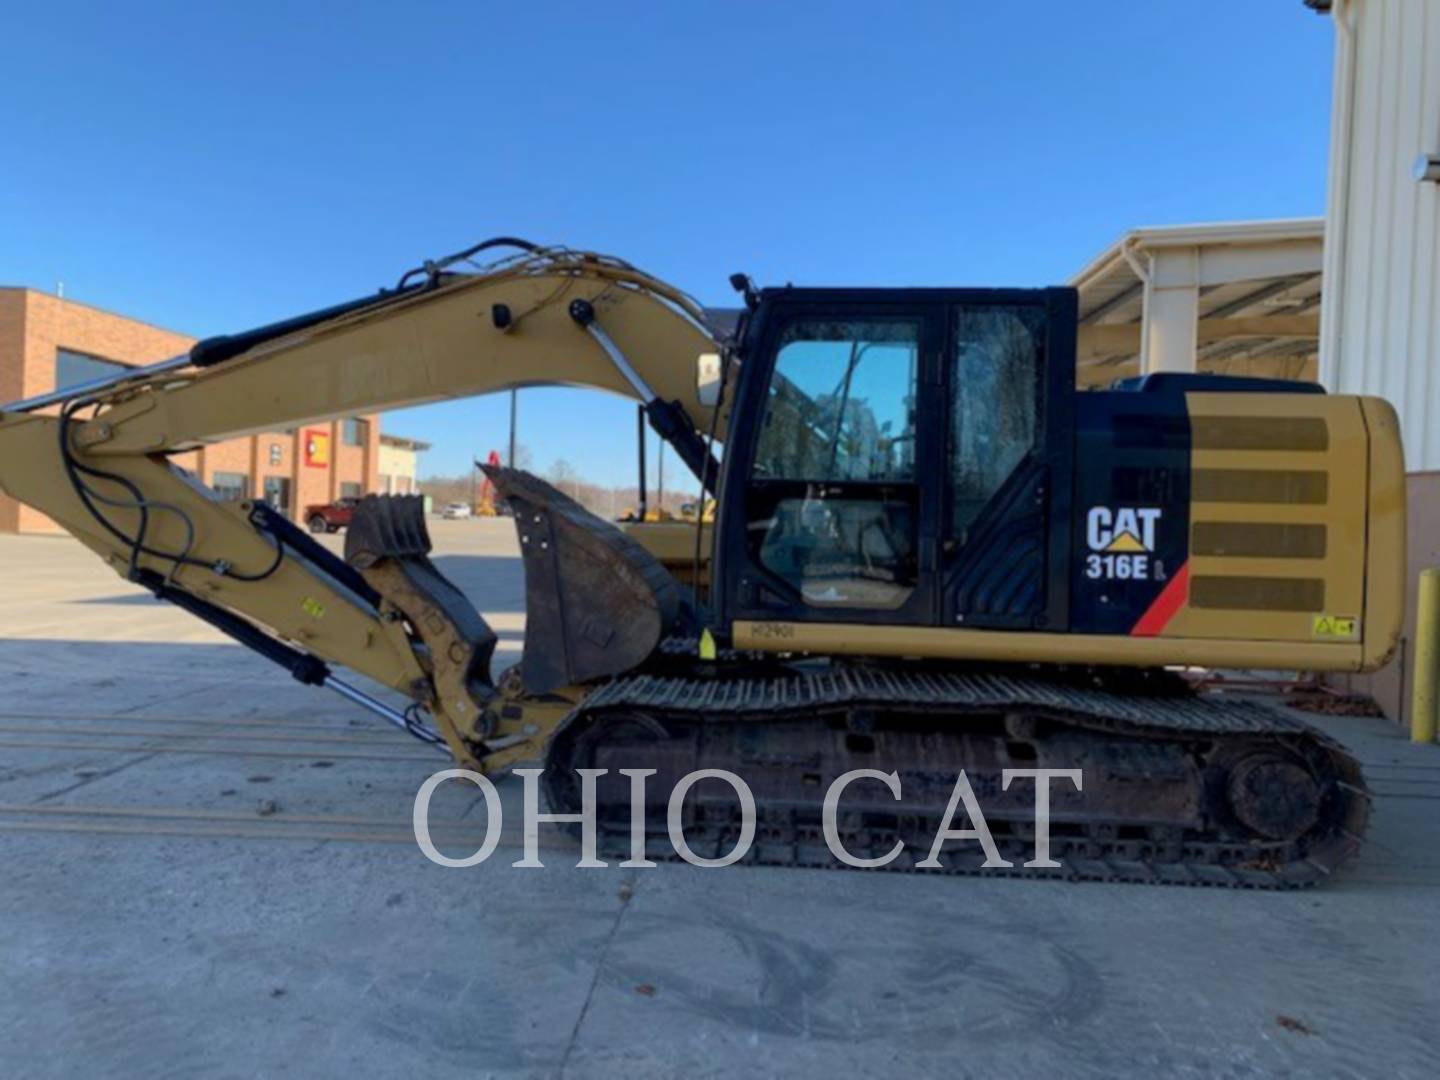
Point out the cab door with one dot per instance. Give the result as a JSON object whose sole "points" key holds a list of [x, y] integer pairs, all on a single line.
{"points": [[1008, 375], [829, 514]]}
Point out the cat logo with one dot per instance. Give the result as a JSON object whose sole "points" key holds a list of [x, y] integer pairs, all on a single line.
{"points": [[1129, 529], [1121, 541]]}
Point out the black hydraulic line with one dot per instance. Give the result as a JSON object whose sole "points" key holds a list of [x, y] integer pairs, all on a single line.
{"points": [[640, 431], [218, 349], [673, 424], [433, 268], [267, 519]]}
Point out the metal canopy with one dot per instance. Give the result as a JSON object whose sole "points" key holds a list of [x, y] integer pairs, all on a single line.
{"points": [[1230, 298]]}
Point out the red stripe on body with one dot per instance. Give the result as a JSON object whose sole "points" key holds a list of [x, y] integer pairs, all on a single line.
{"points": [[1171, 599]]}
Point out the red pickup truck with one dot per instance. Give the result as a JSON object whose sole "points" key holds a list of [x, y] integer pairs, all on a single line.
{"points": [[328, 517]]}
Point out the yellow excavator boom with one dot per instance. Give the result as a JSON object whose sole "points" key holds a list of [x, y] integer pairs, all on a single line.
{"points": [[97, 462]]}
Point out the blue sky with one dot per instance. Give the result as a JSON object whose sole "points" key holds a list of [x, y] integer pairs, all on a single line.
{"points": [[210, 167]]}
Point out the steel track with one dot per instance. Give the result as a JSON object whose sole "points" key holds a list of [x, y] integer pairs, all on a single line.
{"points": [[698, 708]]}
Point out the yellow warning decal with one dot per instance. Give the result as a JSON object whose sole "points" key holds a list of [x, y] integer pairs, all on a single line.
{"points": [[1336, 626], [312, 607]]}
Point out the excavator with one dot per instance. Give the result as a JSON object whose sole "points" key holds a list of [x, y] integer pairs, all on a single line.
{"points": [[929, 553], [485, 505]]}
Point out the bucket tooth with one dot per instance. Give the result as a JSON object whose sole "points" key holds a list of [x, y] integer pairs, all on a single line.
{"points": [[596, 602]]}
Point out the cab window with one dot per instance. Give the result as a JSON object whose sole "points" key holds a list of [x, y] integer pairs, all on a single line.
{"points": [[994, 379], [841, 403], [835, 502]]}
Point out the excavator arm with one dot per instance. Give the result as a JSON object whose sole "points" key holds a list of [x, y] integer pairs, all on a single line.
{"points": [[96, 460]]}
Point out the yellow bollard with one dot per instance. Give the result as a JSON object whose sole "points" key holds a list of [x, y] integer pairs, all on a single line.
{"points": [[1423, 697]]}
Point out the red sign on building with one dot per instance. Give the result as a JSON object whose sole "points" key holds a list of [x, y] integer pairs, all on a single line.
{"points": [[317, 448]]}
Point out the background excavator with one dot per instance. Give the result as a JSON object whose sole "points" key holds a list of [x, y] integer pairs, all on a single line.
{"points": [[487, 504], [928, 553]]}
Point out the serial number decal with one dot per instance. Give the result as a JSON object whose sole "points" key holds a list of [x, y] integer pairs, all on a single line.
{"points": [[773, 630], [1122, 543]]}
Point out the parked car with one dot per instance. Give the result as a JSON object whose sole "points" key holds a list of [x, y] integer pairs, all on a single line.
{"points": [[328, 517], [456, 511]]}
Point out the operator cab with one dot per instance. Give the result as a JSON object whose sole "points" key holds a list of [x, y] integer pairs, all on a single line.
{"points": [[901, 456]]}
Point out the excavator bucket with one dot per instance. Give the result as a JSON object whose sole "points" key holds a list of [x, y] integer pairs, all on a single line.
{"points": [[597, 603]]}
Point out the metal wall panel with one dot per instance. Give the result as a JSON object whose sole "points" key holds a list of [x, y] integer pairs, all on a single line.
{"points": [[1381, 322]]}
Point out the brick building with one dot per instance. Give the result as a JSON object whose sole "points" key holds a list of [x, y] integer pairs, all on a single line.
{"points": [[48, 343]]}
